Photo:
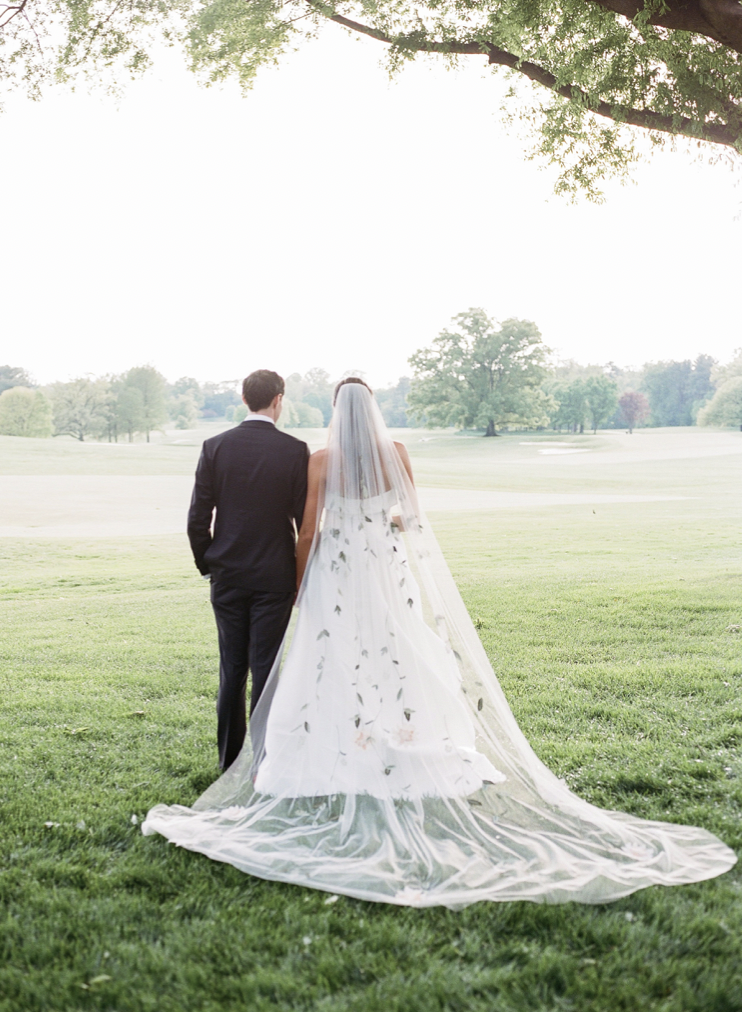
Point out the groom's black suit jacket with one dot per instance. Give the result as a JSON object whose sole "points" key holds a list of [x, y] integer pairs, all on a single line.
{"points": [[255, 476]]}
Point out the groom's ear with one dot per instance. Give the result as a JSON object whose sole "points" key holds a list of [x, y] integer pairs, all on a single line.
{"points": [[244, 401]]}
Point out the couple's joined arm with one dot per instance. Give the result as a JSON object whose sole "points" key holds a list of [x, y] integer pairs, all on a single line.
{"points": [[407, 464], [201, 512], [315, 480]]}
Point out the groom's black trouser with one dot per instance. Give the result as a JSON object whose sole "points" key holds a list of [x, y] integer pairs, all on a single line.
{"points": [[251, 624]]}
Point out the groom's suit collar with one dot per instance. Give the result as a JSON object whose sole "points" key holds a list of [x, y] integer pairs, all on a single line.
{"points": [[258, 418]]}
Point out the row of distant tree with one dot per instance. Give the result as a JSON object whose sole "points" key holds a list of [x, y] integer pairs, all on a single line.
{"points": [[108, 407], [482, 374], [140, 401], [479, 374]]}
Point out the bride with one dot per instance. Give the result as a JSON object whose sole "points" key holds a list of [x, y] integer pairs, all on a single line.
{"points": [[383, 760]]}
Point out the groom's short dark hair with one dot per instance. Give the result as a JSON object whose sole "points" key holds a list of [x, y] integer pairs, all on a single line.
{"points": [[260, 387]]}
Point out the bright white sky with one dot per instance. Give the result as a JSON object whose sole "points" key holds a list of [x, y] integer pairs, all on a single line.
{"points": [[334, 219]]}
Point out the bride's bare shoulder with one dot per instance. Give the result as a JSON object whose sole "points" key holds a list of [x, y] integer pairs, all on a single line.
{"points": [[318, 463]]}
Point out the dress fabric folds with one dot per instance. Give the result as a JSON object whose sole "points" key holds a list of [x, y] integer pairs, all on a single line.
{"points": [[383, 760]]}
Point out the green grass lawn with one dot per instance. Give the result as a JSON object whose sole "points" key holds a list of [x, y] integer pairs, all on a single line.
{"points": [[615, 631]]}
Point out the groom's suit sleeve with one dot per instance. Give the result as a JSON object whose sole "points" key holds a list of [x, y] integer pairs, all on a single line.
{"points": [[201, 511]]}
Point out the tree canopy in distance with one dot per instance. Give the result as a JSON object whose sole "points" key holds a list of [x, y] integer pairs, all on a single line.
{"points": [[634, 408], [587, 74], [25, 412], [482, 375], [13, 376], [725, 408]]}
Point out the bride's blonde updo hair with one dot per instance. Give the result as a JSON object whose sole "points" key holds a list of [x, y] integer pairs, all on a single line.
{"points": [[350, 379]]}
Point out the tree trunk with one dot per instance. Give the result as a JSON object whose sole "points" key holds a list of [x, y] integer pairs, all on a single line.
{"points": [[147, 435], [720, 20], [491, 428]]}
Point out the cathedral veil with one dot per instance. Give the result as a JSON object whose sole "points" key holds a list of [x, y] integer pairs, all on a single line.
{"points": [[383, 760]]}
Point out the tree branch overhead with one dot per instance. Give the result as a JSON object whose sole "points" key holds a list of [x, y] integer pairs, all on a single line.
{"points": [[717, 133], [605, 68]]}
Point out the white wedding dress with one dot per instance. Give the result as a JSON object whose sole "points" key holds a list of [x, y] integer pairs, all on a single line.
{"points": [[383, 760], [369, 700]]}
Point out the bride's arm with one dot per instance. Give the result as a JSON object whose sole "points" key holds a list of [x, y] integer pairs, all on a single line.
{"points": [[315, 480], [407, 464], [405, 458]]}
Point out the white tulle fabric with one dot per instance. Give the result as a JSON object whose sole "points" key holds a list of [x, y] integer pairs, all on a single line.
{"points": [[383, 760]]}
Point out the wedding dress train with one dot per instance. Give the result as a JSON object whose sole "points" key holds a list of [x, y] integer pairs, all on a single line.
{"points": [[383, 760]]}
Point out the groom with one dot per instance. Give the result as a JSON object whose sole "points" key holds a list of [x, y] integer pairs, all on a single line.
{"points": [[255, 477]]}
